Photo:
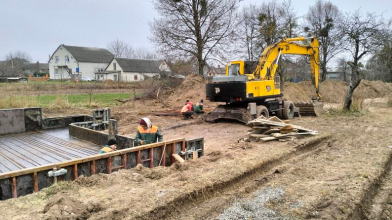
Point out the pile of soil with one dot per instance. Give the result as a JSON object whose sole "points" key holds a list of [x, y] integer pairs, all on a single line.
{"points": [[335, 91], [62, 206], [192, 89]]}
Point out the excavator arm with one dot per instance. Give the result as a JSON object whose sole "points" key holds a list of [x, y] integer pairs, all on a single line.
{"points": [[268, 62]]}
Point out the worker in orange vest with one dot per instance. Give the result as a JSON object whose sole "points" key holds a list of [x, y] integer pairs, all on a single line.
{"points": [[187, 110], [147, 133]]}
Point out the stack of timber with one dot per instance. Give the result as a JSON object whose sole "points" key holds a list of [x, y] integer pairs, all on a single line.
{"points": [[275, 129]]}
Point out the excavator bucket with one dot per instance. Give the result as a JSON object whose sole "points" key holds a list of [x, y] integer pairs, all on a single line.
{"points": [[226, 112], [314, 108]]}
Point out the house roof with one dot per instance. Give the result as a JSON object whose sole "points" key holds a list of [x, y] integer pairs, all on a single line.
{"points": [[138, 65], [89, 54]]}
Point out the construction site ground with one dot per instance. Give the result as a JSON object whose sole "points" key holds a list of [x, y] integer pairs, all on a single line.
{"points": [[342, 173]]}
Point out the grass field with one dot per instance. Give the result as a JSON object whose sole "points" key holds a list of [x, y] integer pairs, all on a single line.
{"points": [[53, 101], [102, 99]]}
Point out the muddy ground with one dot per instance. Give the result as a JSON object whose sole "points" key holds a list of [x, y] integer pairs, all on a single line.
{"points": [[342, 173]]}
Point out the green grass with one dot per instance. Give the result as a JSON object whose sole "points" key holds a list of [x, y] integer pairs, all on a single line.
{"points": [[62, 101], [106, 99]]}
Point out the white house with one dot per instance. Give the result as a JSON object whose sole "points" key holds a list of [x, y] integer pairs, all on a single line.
{"points": [[69, 60], [123, 69]]}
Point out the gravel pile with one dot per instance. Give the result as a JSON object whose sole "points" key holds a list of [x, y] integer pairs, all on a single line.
{"points": [[254, 208]]}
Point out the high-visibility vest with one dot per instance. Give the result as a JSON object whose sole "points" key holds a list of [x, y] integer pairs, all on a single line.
{"points": [[153, 129]]}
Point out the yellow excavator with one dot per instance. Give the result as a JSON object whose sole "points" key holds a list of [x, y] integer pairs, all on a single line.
{"points": [[252, 88]]}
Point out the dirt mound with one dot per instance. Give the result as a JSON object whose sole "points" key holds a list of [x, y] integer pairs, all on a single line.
{"points": [[193, 89], [335, 91], [61, 207]]}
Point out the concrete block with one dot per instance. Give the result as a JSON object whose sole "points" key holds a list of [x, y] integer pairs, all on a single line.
{"points": [[12, 121]]}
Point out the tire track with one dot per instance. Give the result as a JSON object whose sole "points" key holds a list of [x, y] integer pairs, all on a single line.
{"points": [[213, 199], [375, 198]]}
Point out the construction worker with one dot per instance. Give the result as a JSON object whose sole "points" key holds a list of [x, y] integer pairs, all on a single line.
{"points": [[199, 107], [147, 133], [109, 147], [187, 111]]}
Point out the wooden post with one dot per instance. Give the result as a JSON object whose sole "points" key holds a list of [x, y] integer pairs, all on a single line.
{"points": [[75, 171], [93, 167], [151, 157], [14, 193], [163, 157], [138, 157], [109, 165], [35, 180], [173, 152], [183, 149], [125, 160]]}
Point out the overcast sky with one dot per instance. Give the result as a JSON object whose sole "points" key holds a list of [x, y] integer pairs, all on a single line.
{"points": [[38, 27]]}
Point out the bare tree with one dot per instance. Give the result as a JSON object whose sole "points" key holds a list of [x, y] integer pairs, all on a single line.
{"points": [[14, 63], [194, 28], [360, 34], [183, 67], [320, 21], [380, 64], [290, 23], [248, 33], [343, 67], [143, 53], [120, 49], [277, 21]]}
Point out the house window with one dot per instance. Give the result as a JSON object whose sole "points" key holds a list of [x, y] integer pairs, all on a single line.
{"points": [[66, 59], [57, 59], [115, 78], [114, 66], [100, 70], [135, 77], [56, 72]]}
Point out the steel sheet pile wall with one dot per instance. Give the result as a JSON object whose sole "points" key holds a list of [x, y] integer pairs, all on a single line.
{"points": [[23, 182]]}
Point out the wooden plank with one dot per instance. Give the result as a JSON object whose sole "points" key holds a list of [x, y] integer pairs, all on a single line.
{"points": [[278, 135], [178, 158], [272, 131], [195, 155], [263, 122], [276, 119], [258, 135], [268, 138]]}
